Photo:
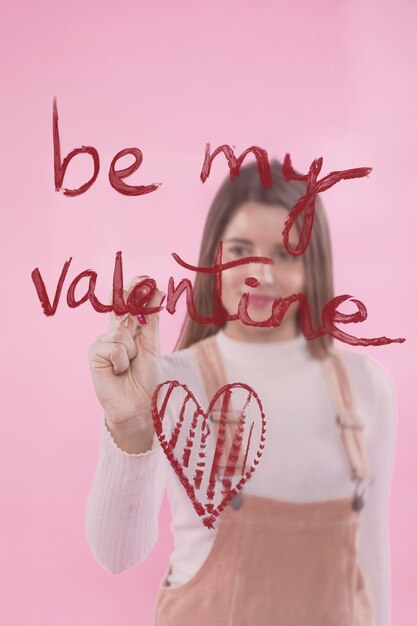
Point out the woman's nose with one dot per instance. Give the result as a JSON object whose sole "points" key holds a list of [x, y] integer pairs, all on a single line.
{"points": [[263, 272]]}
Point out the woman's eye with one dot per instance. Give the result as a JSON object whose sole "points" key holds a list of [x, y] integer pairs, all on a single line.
{"points": [[239, 251], [286, 256]]}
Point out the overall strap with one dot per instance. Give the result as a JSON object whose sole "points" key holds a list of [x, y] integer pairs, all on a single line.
{"points": [[348, 425], [210, 363]]}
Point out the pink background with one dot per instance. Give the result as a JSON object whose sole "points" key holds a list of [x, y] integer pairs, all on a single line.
{"points": [[331, 79]]}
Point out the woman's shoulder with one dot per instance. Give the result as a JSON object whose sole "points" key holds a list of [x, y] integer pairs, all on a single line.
{"points": [[178, 361], [181, 366], [371, 382], [367, 368], [182, 361]]}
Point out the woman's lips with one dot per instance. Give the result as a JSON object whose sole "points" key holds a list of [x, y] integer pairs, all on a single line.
{"points": [[260, 301]]}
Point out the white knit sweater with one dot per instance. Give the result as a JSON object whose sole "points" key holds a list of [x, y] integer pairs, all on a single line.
{"points": [[303, 460]]}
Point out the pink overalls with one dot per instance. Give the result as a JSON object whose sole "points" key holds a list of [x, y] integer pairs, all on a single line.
{"points": [[279, 563]]}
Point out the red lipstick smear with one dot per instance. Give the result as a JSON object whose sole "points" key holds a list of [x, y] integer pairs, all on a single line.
{"points": [[205, 507]]}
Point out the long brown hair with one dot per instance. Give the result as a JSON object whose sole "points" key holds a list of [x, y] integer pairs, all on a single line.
{"points": [[317, 258]]}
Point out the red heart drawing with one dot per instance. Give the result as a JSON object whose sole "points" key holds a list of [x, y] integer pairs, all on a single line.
{"points": [[207, 510]]}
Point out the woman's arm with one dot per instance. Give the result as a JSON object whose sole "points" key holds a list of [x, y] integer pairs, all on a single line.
{"points": [[380, 437], [123, 505], [125, 497]]}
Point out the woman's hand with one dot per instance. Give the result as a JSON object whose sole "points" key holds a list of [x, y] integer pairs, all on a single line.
{"points": [[126, 367]]}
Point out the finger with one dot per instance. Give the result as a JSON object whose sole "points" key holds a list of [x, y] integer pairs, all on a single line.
{"points": [[115, 320], [121, 334], [147, 335], [105, 355]]}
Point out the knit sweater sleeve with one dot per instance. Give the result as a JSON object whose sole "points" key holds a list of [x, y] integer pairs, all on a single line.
{"points": [[123, 505], [373, 543], [121, 521]]}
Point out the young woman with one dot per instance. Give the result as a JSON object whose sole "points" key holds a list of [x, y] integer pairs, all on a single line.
{"points": [[307, 542]]}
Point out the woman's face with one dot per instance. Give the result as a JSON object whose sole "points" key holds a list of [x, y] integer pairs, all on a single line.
{"points": [[256, 230]]}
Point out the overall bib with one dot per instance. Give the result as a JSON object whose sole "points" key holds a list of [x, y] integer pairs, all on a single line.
{"points": [[275, 562]]}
